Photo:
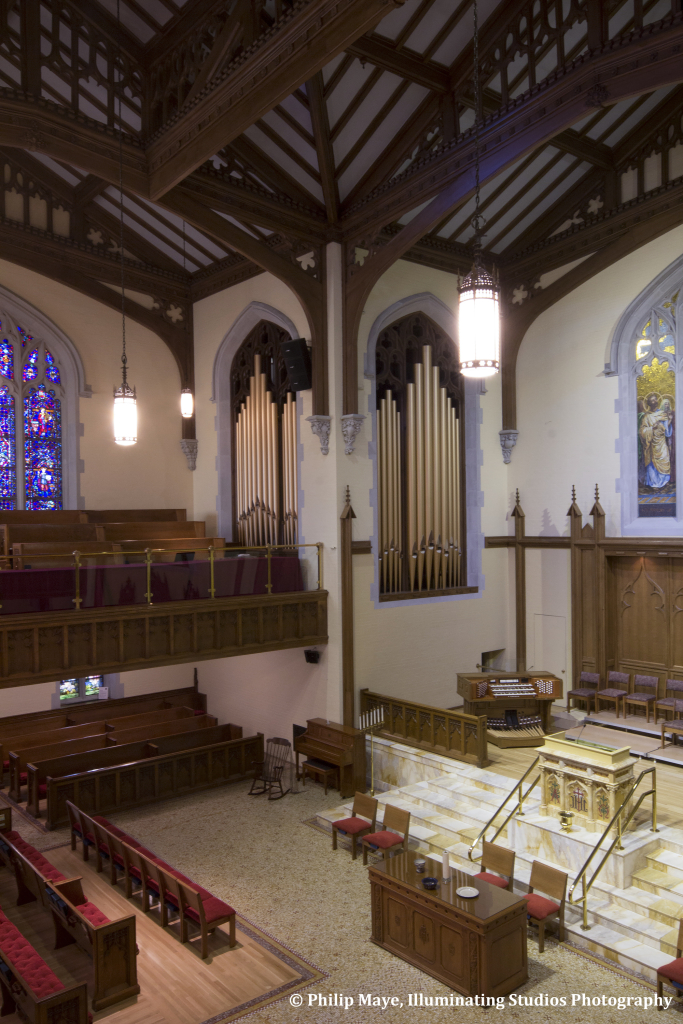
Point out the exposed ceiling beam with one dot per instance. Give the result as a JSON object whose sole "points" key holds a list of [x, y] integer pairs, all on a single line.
{"points": [[255, 160], [224, 42], [629, 69], [192, 14], [323, 145], [403, 62], [89, 189], [108, 26], [669, 108], [317, 32]]}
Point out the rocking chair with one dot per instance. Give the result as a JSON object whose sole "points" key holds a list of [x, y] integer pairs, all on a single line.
{"points": [[269, 771]]}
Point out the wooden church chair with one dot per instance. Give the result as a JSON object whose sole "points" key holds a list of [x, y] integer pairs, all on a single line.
{"points": [[398, 821], [589, 684], [673, 972], [539, 908], [673, 701], [644, 694], [497, 858], [613, 694], [362, 821], [208, 913]]}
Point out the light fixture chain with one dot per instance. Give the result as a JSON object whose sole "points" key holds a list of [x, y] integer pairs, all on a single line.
{"points": [[124, 360], [477, 112]]}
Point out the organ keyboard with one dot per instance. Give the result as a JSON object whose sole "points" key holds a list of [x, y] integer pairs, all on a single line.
{"points": [[517, 706], [340, 745]]}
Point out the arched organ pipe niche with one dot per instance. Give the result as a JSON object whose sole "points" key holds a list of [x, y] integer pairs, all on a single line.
{"points": [[432, 486], [266, 469]]}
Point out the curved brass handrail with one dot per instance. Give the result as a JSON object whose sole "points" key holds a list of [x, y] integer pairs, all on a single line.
{"points": [[621, 826], [516, 809]]}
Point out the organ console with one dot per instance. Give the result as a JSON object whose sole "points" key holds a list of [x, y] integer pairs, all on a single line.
{"points": [[338, 745], [517, 706]]}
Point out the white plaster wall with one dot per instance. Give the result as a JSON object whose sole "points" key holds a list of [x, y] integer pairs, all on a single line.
{"points": [[23, 700], [152, 680], [153, 472], [567, 416]]}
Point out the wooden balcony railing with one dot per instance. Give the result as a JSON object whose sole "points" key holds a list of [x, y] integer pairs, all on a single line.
{"points": [[450, 733]]}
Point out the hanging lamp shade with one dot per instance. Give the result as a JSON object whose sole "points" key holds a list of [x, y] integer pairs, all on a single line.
{"points": [[479, 323], [125, 415], [186, 403]]}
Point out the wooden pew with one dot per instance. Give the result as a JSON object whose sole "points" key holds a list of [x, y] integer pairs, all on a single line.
{"points": [[59, 554], [150, 532], [165, 548], [150, 718], [152, 733], [132, 515], [124, 754], [38, 721], [18, 759], [49, 533], [111, 944], [191, 770], [68, 732]]}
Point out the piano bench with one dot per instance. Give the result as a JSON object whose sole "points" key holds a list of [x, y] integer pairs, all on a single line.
{"points": [[321, 771]]}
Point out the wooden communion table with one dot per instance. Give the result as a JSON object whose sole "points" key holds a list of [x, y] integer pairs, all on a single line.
{"points": [[476, 946]]}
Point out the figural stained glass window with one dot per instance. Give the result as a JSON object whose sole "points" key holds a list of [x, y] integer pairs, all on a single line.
{"points": [[30, 458], [655, 352]]}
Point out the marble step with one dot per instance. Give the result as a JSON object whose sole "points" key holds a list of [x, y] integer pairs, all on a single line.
{"points": [[667, 861], [661, 883], [628, 953]]}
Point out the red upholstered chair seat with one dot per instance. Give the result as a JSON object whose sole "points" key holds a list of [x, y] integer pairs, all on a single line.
{"points": [[204, 893], [673, 971], [539, 907], [214, 909], [351, 826], [383, 840], [31, 967], [486, 876]]}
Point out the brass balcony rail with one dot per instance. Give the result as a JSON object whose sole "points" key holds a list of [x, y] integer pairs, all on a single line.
{"points": [[517, 809], [620, 826], [80, 557], [449, 733]]}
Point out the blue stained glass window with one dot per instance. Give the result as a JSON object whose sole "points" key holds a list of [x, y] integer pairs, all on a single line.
{"points": [[31, 366], [51, 369], [43, 449], [6, 359], [8, 452]]}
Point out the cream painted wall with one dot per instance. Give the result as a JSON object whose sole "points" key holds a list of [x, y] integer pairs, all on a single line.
{"points": [[153, 472], [152, 680], [23, 700], [568, 423]]}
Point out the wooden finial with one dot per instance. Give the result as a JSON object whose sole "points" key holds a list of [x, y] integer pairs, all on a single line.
{"points": [[573, 493], [517, 496], [348, 495], [597, 493]]}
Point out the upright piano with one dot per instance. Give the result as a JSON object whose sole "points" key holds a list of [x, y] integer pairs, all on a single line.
{"points": [[340, 745]]}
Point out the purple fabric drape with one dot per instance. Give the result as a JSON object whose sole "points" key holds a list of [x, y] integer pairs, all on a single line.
{"points": [[103, 586]]}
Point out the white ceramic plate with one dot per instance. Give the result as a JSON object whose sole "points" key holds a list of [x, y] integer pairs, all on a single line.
{"points": [[468, 892]]}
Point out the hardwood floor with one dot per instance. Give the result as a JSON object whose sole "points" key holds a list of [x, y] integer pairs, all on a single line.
{"points": [[176, 985]]}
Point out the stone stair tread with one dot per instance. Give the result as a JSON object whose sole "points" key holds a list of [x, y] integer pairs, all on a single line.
{"points": [[657, 878], [611, 940], [441, 841], [420, 832], [669, 858]]}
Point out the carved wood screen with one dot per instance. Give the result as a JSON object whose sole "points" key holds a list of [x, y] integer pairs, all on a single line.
{"points": [[419, 461], [647, 598], [265, 479]]}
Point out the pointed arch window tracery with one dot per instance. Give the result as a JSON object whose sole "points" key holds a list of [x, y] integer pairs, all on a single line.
{"points": [[31, 397]]}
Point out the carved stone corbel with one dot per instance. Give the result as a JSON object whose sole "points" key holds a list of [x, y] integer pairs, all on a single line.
{"points": [[320, 425], [351, 424], [508, 440], [189, 446]]}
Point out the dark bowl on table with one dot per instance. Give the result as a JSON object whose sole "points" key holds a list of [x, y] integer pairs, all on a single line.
{"points": [[430, 883]]}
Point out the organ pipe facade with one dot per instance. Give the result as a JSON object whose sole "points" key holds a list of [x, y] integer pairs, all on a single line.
{"points": [[419, 468], [264, 444]]}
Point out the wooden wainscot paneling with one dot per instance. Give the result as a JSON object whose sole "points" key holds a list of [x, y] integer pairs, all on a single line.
{"points": [[54, 645]]}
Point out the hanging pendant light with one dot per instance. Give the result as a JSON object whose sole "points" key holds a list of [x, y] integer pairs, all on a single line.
{"points": [[479, 306], [125, 399]]}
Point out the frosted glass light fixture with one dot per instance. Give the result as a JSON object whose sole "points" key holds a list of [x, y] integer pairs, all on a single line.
{"points": [[479, 323], [186, 403], [479, 306], [125, 413]]}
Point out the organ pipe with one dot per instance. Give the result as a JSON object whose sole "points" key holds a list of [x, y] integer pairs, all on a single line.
{"points": [[265, 472], [428, 556]]}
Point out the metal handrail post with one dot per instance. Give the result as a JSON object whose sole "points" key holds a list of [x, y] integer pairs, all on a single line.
{"points": [[77, 599], [148, 559], [585, 927], [520, 812], [654, 802], [212, 586]]}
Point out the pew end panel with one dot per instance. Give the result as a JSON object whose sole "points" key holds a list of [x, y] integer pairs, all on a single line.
{"points": [[69, 1006]]}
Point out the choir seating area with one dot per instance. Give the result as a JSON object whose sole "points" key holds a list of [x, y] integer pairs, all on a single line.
{"points": [[116, 754], [57, 560]]}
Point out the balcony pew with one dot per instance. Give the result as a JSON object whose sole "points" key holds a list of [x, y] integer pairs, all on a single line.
{"points": [[31, 988], [50, 533], [186, 770], [149, 532], [153, 732], [59, 554], [134, 515], [123, 754], [19, 758], [166, 548], [111, 944]]}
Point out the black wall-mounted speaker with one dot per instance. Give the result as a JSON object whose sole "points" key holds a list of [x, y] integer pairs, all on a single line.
{"points": [[311, 655], [297, 357]]}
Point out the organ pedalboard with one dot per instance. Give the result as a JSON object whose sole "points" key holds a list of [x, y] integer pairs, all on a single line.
{"points": [[517, 707]]}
